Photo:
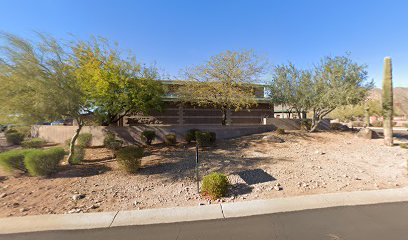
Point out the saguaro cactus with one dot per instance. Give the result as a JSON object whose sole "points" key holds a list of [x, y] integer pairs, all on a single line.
{"points": [[387, 101]]}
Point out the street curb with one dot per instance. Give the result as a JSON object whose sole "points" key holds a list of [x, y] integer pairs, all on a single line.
{"points": [[207, 212]]}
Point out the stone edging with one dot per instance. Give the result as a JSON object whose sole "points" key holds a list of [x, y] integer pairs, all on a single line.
{"points": [[207, 212]]}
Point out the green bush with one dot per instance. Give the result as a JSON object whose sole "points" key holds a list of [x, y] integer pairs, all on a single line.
{"points": [[33, 143], [148, 136], [404, 145], [129, 158], [13, 160], [111, 142], [84, 140], [79, 154], [14, 137], [205, 139], [280, 131], [43, 162], [215, 185], [191, 135], [170, 139]]}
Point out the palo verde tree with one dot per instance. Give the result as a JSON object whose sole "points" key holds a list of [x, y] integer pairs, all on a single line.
{"points": [[113, 82], [37, 84], [337, 81], [223, 82], [290, 86]]}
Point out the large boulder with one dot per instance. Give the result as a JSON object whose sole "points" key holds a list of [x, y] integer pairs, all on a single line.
{"points": [[367, 133]]}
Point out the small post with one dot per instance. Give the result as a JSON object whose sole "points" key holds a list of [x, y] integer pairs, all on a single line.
{"points": [[198, 182]]}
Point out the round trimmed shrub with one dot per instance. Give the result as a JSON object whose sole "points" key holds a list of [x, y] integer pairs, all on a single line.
{"points": [[148, 136], [111, 142], [205, 139], [84, 140], [215, 185], [33, 143], [14, 137], [129, 158], [191, 135], [280, 131], [13, 160], [170, 139], [43, 162]]}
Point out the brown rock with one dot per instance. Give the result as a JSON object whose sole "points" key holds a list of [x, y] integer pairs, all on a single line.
{"points": [[367, 133]]}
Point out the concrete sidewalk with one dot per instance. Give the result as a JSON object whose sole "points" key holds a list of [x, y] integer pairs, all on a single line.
{"points": [[190, 214]]}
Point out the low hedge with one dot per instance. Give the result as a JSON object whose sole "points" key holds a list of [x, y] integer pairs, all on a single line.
{"points": [[148, 136], [170, 139], [129, 158], [215, 185], [43, 162], [33, 143], [205, 139], [13, 160]]}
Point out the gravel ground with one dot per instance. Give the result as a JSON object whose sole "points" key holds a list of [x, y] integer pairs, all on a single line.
{"points": [[257, 168]]}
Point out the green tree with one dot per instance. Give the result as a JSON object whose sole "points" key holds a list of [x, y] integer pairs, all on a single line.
{"points": [[337, 81], [290, 86], [223, 82], [114, 83], [37, 84]]}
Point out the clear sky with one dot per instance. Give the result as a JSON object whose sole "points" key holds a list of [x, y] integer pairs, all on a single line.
{"points": [[176, 34]]}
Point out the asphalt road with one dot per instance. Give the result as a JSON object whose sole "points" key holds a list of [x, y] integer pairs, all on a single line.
{"points": [[382, 221]]}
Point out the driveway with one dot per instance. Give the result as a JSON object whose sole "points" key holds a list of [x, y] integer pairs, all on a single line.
{"points": [[380, 221]]}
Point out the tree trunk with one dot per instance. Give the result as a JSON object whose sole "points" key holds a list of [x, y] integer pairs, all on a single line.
{"points": [[224, 116], [273, 110], [72, 143]]}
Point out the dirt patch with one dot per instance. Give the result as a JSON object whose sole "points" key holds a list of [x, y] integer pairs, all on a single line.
{"points": [[257, 169]]}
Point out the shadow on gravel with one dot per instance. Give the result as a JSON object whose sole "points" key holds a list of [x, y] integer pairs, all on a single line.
{"points": [[82, 170], [255, 176], [239, 189]]}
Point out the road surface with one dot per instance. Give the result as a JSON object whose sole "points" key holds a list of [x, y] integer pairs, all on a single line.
{"points": [[382, 221]]}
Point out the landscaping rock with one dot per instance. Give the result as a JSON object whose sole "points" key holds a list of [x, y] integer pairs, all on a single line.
{"points": [[273, 139], [3, 195], [367, 133], [77, 197]]}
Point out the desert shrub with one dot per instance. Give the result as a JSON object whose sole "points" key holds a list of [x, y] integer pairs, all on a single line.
{"points": [[280, 131], [305, 124], [43, 162], [215, 185], [14, 137], [336, 126], [191, 135], [170, 139], [111, 142], [79, 154], [404, 145], [33, 143], [377, 124], [405, 125], [358, 124], [13, 160], [129, 158], [148, 136], [84, 140], [205, 139]]}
